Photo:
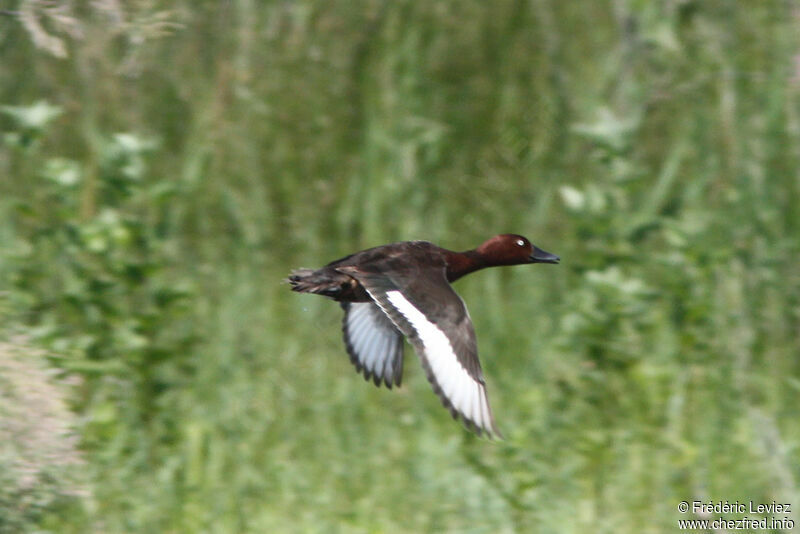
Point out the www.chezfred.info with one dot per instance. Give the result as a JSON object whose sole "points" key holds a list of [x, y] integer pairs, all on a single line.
{"points": [[755, 516]]}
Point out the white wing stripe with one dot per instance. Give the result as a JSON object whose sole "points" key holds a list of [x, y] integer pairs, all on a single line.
{"points": [[458, 386], [468, 407], [485, 408], [443, 370], [476, 405]]}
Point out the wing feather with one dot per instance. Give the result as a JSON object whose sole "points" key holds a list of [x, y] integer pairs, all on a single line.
{"points": [[445, 342], [374, 344]]}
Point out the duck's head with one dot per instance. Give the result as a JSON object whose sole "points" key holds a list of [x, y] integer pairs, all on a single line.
{"points": [[513, 249]]}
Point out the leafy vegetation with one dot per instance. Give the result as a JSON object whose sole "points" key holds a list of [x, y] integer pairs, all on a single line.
{"points": [[165, 164]]}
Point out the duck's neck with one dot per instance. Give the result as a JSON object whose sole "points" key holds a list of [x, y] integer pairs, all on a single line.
{"points": [[463, 263]]}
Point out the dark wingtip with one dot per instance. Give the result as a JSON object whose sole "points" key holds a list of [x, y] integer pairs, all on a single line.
{"points": [[495, 435], [469, 424], [492, 434]]}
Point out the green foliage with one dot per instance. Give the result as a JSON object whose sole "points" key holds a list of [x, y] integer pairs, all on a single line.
{"points": [[89, 271], [31, 122], [652, 145]]}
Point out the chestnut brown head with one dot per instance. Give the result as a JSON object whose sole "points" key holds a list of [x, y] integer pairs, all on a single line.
{"points": [[513, 249]]}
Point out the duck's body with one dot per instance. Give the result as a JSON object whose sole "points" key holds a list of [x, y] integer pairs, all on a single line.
{"points": [[403, 289]]}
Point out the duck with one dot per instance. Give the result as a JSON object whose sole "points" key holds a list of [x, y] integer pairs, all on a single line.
{"points": [[402, 290]]}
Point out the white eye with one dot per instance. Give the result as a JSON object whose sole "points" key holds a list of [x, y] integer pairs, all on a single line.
{"points": [[520, 243]]}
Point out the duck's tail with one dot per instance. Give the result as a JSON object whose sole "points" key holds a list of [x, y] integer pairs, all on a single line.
{"points": [[310, 281]]}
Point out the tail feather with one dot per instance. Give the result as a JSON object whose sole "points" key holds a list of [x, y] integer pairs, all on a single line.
{"points": [[311, 281]]}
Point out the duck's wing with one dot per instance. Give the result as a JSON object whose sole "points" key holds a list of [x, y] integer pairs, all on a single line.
{"points": [[435, 320], [373, 342]]}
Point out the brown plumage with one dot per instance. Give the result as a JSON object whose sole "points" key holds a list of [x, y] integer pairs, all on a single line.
{"points": [[403, 290]]}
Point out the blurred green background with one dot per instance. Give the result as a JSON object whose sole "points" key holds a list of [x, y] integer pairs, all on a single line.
{"points": [[165, 164]]}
